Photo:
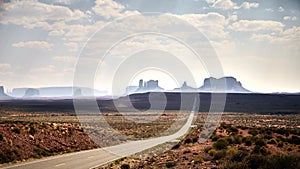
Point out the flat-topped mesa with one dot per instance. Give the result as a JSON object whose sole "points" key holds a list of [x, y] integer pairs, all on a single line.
{"points": [[224, 84]]}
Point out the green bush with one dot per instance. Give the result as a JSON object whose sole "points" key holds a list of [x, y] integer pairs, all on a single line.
{"points": [[260, 142], [280, 144], [232, 151], [253, 132], [125, 166], [187, 141], [212, 152], [16, 130], [272, 141], [198, 160], [215, 138], [220, 144], [219, 155], [206, 149], [170, 164]]}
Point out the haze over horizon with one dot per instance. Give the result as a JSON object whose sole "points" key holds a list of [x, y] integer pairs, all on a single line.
{"points": [[257, 42]]}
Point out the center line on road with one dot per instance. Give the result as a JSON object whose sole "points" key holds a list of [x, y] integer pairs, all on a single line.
{"points": [[60, 164]]}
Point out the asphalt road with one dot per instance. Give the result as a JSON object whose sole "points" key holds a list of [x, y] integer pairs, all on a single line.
{"points": [[97, 157]]}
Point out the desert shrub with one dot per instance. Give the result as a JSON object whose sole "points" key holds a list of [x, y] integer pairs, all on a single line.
{"points": [[260, 150], [42, 152], [253, 132], [187, 141], [248, 141], [195, 139], [272, 141], [282, 161], [219, 155], [1, 137], [269, 132], [125, 166], [230, 139], [232, 151], [16, 130], [215, 138], [280, 144], [6, 157], [212, 152], [295, 140], [232, 129], [239, 156], [32, 130], [244, 127], [289, 149], [237, 139], [206, 149], [268, 137], [220, 144], [255, 161], [260, 142], [170, 164], [198, 160], [233, 165]]}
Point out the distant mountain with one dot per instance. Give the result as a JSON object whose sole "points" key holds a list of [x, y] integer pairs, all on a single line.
{"points": [[2, 94], [224, 84], [55, 92]]}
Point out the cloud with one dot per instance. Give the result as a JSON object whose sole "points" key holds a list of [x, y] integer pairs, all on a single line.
{"points": [[4, 66], [56, 32], [45, 69], [248, 5], [221, 4], [109, 9], [292, 18], [34, 45], [289, 37], [269, 10], [280, 9], [66, 2], [72, 45], [211, 24], [257, 25], [31, 14], [65, 59]]}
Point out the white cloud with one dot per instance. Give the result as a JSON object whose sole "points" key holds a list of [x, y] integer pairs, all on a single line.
{"points": [[56, 32], [4, 66], [221, 4], [248, 5], [66, 2], [65, 59], [280, 9], [31, 14], [212, 24], [34, 45], [289, 37], [269, 10], [45, 69], [110, 9], [73, 46], [292, 18], [257, 25]]}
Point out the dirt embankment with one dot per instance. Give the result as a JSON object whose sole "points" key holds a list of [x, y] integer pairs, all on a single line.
{"points": [[24, 140]]}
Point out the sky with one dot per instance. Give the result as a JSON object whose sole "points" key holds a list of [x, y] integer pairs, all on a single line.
{"points": [[257, 42]]}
